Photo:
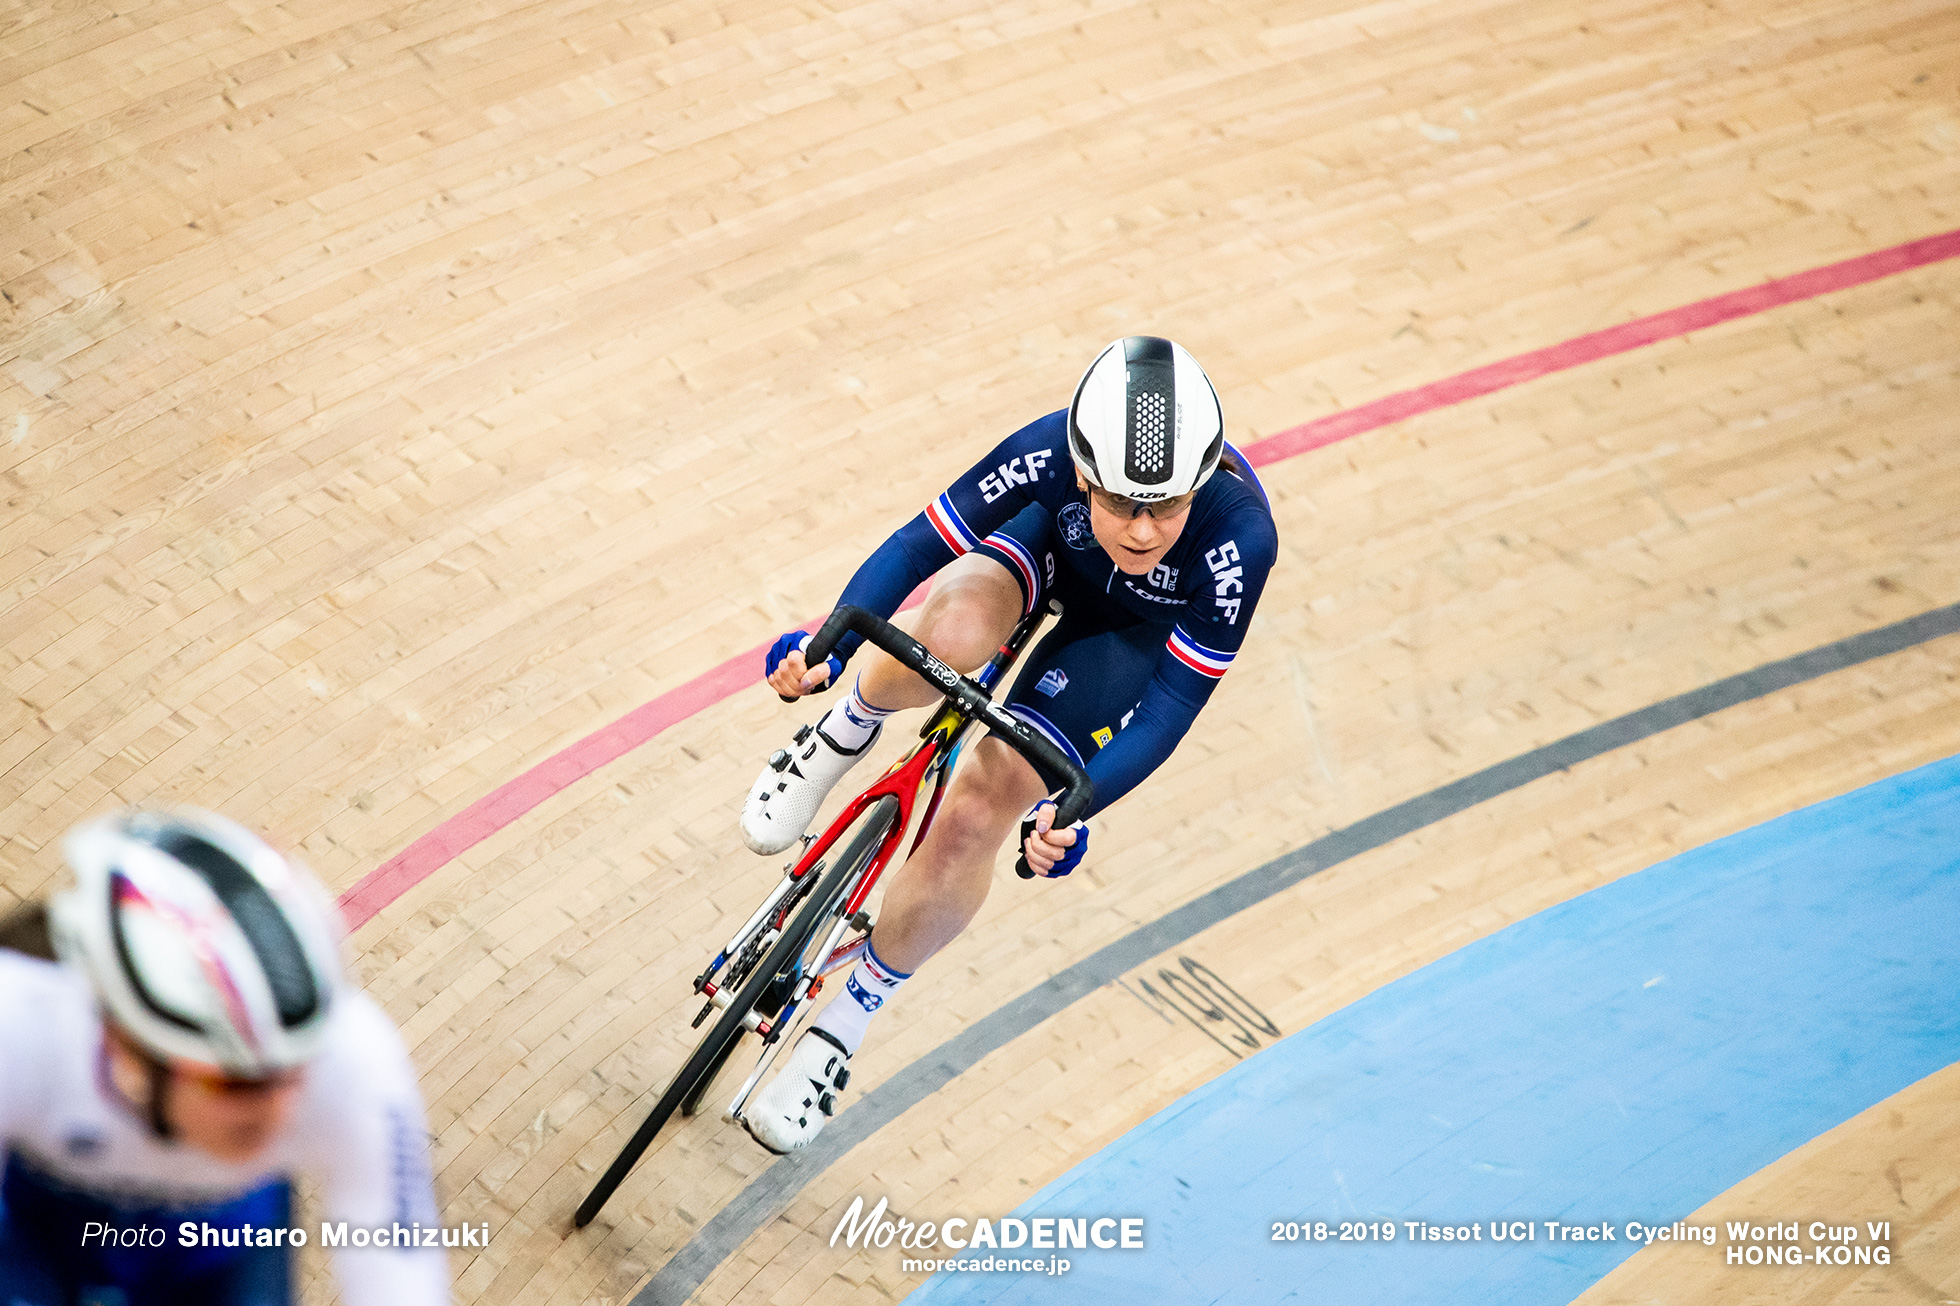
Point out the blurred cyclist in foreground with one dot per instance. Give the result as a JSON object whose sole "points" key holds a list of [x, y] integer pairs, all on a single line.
{"points": [[193, 1048]]}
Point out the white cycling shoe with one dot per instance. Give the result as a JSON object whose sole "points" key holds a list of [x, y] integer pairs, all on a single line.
{"points": [[787, 1114], [786, 796]]}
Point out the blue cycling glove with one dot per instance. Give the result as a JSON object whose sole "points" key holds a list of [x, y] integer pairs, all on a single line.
{"points": [[1071, 858], [790, 643]]}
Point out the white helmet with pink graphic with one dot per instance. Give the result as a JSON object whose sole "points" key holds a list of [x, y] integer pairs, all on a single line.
{"points": [[201, 941]]}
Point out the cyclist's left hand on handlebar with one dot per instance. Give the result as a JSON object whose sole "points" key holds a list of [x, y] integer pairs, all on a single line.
{"points": [[1050, 852], [783, 667]]}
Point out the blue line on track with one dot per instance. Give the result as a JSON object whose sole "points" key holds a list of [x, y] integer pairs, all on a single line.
{"points": [[1627, 1055]]}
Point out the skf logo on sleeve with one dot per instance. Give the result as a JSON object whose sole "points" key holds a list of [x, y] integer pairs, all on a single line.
{"points": [[1010, 474], [1225, 579]]}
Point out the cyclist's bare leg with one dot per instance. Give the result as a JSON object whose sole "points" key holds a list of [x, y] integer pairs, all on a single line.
{"points": [[973, 607], [931, 898]]}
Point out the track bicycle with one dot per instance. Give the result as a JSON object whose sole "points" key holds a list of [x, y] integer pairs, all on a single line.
{"points": [[813, 923]]}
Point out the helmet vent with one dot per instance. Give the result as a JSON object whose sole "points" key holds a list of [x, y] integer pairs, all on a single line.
{"points": [[265, 927], [1152, 403]]}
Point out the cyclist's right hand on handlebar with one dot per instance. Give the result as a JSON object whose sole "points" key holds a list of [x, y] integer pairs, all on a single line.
{"points": [[1047, 851], [789, 677]]}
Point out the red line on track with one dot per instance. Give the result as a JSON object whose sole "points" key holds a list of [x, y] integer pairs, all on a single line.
{"points": [[1592, 347], [511, 800]]}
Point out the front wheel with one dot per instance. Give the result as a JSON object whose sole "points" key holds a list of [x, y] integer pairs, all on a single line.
{"points": [[785, 957]]}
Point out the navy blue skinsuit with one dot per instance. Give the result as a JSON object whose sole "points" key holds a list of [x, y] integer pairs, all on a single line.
{"points": [[1125, 671]]}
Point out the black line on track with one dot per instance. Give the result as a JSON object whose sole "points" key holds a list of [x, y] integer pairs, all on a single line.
{"points": [[770, 1192]]}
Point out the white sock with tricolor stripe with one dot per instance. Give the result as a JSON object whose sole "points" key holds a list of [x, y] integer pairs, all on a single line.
{"points": [[849, 1013], [850, 723]]}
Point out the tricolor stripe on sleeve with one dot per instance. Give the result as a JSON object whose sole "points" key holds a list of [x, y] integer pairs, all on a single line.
{"points": [[1023, 562], [1204, 661], [945, 519]]}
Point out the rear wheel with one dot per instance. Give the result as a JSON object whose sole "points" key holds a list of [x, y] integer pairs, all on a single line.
{"points": [[768, 983]]}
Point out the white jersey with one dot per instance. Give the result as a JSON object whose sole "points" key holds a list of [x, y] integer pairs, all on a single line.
{"points": [[358, 1129]]}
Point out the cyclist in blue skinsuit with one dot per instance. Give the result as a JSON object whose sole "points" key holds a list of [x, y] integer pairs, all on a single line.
{"points": [[1110, 506]]}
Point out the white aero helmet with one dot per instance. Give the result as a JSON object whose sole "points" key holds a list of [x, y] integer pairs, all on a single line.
{"points": [[1145, 422], [202, 943]]}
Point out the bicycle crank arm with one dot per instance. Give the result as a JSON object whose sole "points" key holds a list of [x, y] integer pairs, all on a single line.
{"points": [[843, 957], [741, 1099], [829, 949]]}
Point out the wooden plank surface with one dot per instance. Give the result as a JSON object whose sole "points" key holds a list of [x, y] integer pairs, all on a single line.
{"points": [[393, 394]]}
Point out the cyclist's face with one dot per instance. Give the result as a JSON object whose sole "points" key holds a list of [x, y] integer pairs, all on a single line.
{"points": [[1138, 542], [230, 1119], [233, 1121]]}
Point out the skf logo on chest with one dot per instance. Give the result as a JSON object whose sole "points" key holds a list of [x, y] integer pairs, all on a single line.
{"points": [[1010, 474], [1225, 579]]}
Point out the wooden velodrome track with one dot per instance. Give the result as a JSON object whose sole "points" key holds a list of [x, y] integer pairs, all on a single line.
{"points": [[396, 393]]}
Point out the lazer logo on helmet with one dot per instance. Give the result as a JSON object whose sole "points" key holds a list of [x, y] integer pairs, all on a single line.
{"points": [[1010, 474], [1225, 579]]}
